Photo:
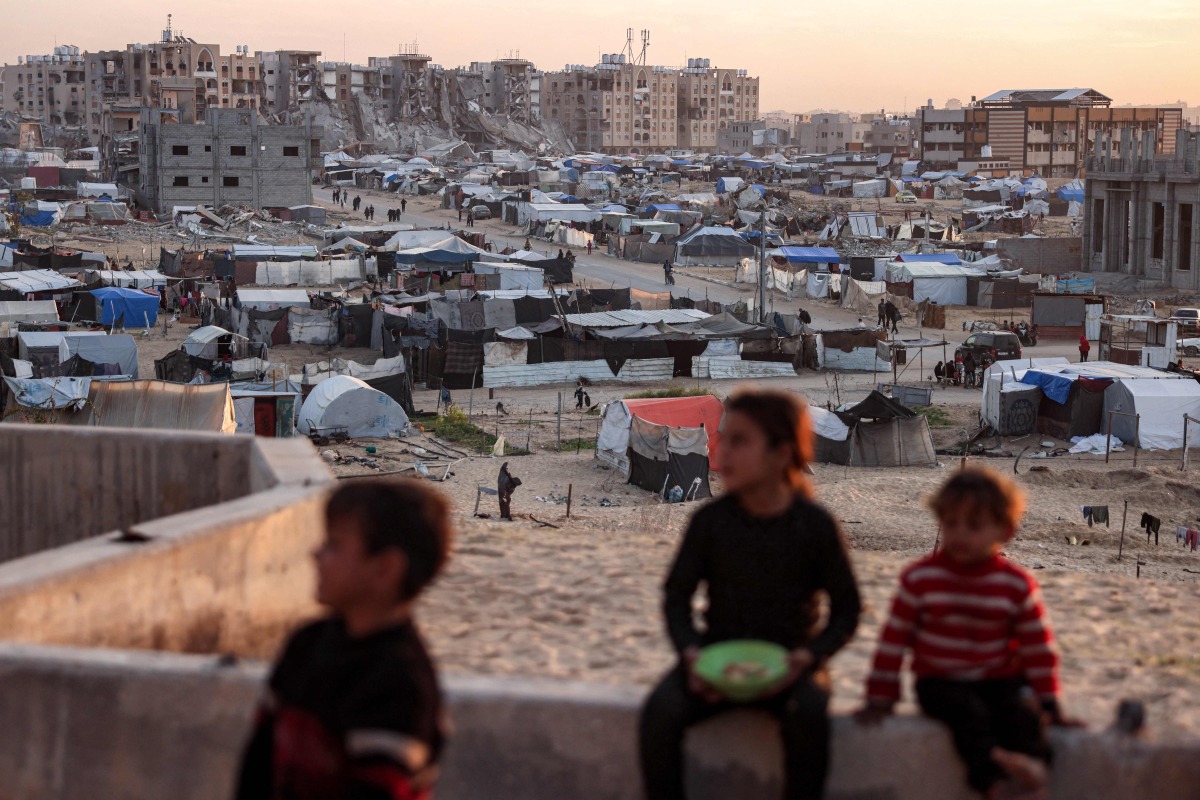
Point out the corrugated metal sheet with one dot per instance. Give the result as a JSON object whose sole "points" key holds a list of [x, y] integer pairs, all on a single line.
{"points": [[734, 368], [1006, 135], [619, 319], [634, 371]]}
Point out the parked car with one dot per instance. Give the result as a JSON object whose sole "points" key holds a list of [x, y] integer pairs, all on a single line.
{"points": [[1189, 347], [906, 197], [997, 345], [1188, 319], [480, 212]]}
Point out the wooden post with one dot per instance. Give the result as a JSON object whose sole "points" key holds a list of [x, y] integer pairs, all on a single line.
{"points": [[1137, 435], [579, 437], [570, 487], [1108, 439], [529, 430], [1124, 516], [558, 433]]}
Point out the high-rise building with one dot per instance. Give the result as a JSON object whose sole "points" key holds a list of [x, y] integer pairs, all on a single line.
{"points": [[710, 99]]}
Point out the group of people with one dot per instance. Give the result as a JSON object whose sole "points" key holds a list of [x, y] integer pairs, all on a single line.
{"points": [[355, 710], [966, 370], [341, 196], [888, 315]]}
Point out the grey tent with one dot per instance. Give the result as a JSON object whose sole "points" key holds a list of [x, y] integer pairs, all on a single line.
{"points": [[886, 433]]}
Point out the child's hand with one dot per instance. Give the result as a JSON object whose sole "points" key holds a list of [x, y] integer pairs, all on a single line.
{"points": [[696, 684], [873, 713]]}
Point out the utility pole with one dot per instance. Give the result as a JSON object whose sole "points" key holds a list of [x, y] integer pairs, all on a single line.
{"points": [[762, 265]]}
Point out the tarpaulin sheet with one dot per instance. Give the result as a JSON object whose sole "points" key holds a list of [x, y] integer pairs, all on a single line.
{"points": [[49, 393], [119, 349], [129, 307], [349, 403], [158, 404], [1161, 404], [309, 326]]}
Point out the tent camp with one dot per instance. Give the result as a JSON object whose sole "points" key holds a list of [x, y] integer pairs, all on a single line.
{"points": [[348, 403], [881, 432], [653, 441], [712, 246], [127, 307], [159, 404]]}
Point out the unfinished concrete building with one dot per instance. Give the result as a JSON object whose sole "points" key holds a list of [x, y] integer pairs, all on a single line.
{"points": [[290, 77], [507, 88], [229, 159], [1142, 208]]}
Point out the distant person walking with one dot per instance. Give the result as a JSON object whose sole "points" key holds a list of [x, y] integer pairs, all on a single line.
{"points": [[403, 204], [1085, 347], [357, 202], [882, 313], [589, 247], [668, 277]]}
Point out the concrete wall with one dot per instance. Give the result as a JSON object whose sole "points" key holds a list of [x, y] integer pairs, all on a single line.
{"points": [[1055, 256], [64, 484], [80, 725], [225, 577]]}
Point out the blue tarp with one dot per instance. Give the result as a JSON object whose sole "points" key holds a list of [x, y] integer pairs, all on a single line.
{"points": [[771, 237], [746, 162], [138, 309], [681, 162], [1053, 385], [606, 168], [1071, 193], [930, 258], [663, 207], [38, 219], [807, 255]]}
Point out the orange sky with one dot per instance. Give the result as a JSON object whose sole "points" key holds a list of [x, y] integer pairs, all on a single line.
{"points": [[807, 56]]}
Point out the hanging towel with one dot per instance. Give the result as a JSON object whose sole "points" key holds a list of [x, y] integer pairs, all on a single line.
{"points": [[1193, 538], [1099, 515], [1181, 533]]}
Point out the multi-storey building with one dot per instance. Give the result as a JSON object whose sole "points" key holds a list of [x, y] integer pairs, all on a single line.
{"points": [[758, 137], [507, 87], [710, 99], [290, 77], [614, 106], [227, 158], [1044, 131], [617, 106], [832, 132], [52, 89]]}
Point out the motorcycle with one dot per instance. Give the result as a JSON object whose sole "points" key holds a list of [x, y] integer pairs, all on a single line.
{"points": [[1028, 335]]}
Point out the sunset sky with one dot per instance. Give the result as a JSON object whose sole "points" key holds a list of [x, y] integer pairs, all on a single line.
{"points": [[857, 56]]}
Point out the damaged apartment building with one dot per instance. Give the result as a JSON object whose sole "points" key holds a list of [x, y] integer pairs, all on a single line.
{"points": [[1143, 208], [618, 106], [229, 159]]}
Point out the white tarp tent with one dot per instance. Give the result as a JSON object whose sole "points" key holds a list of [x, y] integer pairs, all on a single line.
{"points": [[28, 311], [313, 273], [128, 279], [349, 403], [271, 299], [1002, 375], [1161, 404], [945, 284], [36, 280], [513, 276]]}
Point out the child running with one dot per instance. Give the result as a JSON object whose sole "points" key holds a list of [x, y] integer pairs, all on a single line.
{"points": [[354, 709], [763, 551], [983, 651]]}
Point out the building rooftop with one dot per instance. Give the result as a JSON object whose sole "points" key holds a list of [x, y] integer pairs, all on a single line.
{"points": [[1076, 97]]}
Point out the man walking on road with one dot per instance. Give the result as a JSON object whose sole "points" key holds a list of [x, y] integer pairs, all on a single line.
{"points": [[668, 278], [882, 314], [403, 204], [357, 202]]}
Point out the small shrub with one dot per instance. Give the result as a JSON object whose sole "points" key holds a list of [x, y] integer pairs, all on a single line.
{"points": [[671, 391], [936, 417]]}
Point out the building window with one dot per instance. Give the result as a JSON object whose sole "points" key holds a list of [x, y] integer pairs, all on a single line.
{"points": [[179, 149], [204, 179], [230, 180], [1158, 237], [208, 148], [1185, 236], [291, 151], [237, 150], [180, 180]]}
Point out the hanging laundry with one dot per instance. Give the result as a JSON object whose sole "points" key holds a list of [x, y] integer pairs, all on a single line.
{"points": [[1193, 538], [1180, 533], [1151, 523], [1095, 515]]}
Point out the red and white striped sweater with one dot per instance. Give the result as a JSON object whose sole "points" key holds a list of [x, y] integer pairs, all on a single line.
{"points": [[972, 623]]}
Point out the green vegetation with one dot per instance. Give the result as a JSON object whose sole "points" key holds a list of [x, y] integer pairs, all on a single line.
{"points": [[453, 427], [574, 445], [671, 391], [936, 417]]}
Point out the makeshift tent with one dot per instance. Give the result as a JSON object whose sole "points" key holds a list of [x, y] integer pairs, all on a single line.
{"points": [[28, 311], [211, 342], [662, 457], [36, 280], [127, 307], [1009, 406], [945, 284], [119, 351], [158, 404], [128, 279], [712, 247], [266, 409], [1160, 404], [449, 251], [929, 258], [806, 255], [613, 443], [348, 403], [831, 437], [512, 276], [895, 436]]}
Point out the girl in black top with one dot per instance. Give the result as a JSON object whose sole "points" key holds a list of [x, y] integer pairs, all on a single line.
{"points": [[763, 551]]}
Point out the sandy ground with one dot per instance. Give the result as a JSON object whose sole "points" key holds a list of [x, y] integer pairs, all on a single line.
{"points": [[582, 600]]}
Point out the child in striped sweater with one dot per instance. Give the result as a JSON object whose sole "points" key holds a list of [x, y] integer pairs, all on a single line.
{"points": [[982, 649]]}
